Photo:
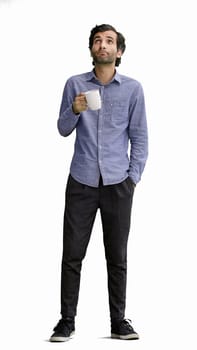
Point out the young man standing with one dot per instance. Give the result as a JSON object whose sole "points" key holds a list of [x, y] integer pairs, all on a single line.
{"points": [[102, 175]]}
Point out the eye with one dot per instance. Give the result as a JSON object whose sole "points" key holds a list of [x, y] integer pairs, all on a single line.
{"points": [[97, 41]]}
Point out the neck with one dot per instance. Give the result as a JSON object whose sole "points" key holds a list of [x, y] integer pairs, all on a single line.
{"points": [[104, 73]]}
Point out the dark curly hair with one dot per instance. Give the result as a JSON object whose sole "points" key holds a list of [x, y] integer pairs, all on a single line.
{"points": [[103, 28]]}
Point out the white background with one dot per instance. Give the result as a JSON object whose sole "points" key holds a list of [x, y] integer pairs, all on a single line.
{"points": [[42, 43]]}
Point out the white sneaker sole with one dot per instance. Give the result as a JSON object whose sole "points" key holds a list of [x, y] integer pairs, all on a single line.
{"points": [[132, 336], [60, 339]]}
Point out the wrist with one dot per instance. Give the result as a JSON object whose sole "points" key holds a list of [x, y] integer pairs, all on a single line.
{"points": [[74, 110]]}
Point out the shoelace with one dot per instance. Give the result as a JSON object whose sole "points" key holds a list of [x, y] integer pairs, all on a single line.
{"points": [[127, 323], [62, 325]]}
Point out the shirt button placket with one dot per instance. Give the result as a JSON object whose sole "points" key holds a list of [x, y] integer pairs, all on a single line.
{"points": [[100, 143], [100, 123]]}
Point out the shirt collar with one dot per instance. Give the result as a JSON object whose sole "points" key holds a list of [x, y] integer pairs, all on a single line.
{"points": [[92, 77]]}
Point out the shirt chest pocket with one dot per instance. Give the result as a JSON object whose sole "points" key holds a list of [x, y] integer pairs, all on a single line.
{"points": [[116, 110]]}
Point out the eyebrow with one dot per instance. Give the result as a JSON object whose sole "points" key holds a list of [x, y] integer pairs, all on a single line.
{"points": [[108, 37]]}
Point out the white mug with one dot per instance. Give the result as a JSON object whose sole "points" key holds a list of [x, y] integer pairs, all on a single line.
{"points": [[93, 99]]}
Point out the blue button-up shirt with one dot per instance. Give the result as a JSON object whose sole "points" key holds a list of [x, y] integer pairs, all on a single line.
{"points": [[112, 141]]}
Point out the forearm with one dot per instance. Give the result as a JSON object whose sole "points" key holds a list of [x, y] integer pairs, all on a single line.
{"points": [[138, 155], [67, 121]]}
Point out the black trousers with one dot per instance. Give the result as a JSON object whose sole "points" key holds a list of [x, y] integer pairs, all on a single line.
{"points": [[82, 203]]}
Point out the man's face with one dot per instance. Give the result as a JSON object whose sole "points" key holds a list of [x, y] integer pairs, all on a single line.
{"points": [[104, 48]]}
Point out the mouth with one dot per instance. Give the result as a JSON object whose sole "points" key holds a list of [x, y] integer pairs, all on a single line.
{"points": [[102, 53]]}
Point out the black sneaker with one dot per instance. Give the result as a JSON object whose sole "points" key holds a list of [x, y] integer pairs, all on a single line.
{"points": [[63, 331], [122, 329]]}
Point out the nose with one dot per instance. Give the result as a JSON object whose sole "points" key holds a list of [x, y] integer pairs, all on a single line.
{"points": [[103, 44]]}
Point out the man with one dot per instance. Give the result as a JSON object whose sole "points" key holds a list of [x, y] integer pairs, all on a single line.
{"points": [[102, 175]]}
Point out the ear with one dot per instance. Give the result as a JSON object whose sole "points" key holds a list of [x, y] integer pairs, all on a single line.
{"points": [[119, 53]]}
